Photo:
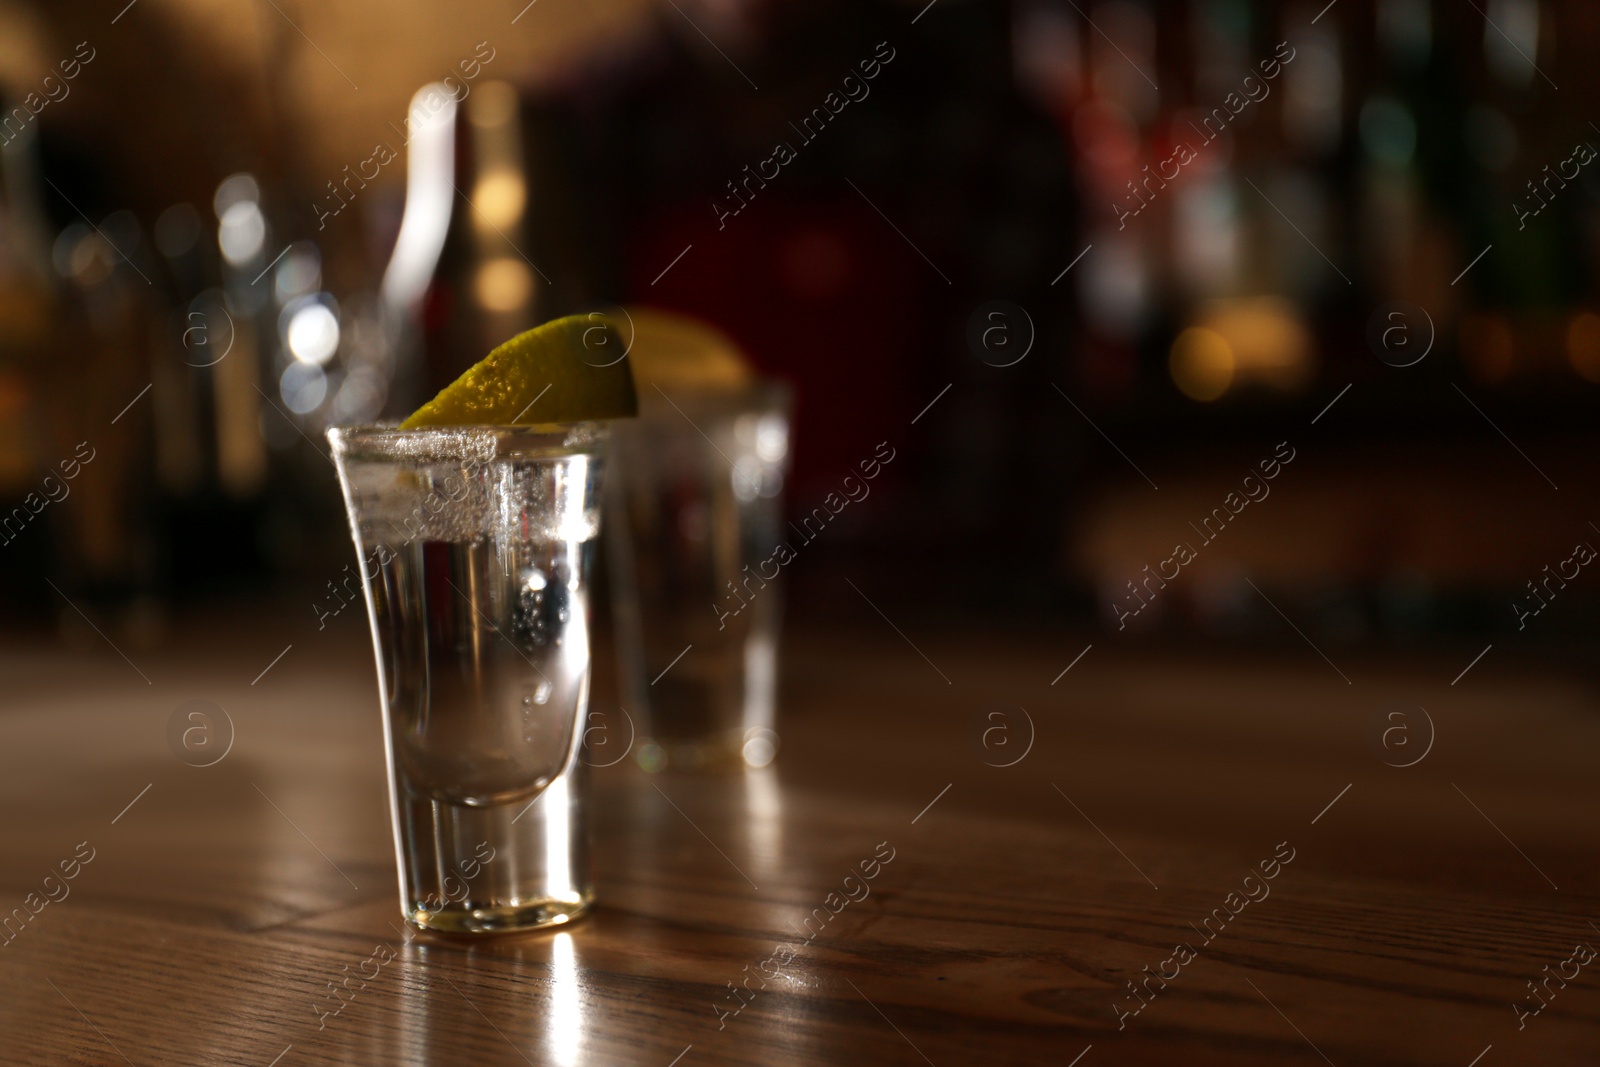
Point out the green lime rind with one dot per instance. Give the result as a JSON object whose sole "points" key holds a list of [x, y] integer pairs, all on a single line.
{"points": [[571, 369]]}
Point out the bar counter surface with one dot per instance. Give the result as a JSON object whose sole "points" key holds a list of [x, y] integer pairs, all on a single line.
{"points": [[968, 851]]}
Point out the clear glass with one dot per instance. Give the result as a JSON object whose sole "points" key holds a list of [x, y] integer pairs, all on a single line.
{"points": [[476, 548], [697, 516]]}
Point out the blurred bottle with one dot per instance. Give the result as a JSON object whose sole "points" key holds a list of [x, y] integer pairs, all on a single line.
{"points": [[459, 282]]}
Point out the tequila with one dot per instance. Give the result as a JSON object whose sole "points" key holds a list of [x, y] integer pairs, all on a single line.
{"points": [[481, 541]]}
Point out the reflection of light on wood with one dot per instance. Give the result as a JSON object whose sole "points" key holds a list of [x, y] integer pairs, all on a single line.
{"points": [[566, 1012], [1583, 345], [1255, 341], [763, 821]]}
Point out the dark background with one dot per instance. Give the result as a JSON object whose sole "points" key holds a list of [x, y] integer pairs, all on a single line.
{"points": [[1385, 164]]}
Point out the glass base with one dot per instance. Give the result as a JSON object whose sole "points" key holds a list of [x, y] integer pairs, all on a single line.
{"points": [[520, 865], [508, 918]]}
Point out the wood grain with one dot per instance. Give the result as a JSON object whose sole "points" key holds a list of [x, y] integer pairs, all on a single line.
{"points": [[1004, 929]]}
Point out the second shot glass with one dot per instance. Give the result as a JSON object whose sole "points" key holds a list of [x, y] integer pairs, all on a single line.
{"points": [[696, 515]]}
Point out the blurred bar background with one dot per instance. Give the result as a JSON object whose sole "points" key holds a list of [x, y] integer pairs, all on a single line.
{"points": [[200, 204]]}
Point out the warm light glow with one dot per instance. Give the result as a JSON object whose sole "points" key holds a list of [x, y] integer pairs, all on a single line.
{"points": [[1202, 364], [1583, 345], [1254, 340], [504, 284], [499, 197], [1270, 342]]}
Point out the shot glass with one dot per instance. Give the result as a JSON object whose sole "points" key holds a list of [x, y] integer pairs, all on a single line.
{"points": [[476, 549], [697, 591]]}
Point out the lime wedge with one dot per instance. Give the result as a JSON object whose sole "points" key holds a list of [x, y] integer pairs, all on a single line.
{"points": [[673, 352], [568, 370]]}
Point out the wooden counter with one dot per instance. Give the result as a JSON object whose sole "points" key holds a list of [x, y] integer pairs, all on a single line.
{"points": [[1018, 903]]}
